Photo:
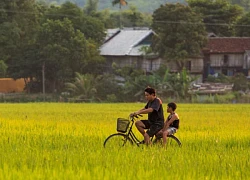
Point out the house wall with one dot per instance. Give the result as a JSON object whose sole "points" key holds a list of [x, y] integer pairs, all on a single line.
{"points": [[229, 60], [227, 64], [134, 61], [172, 66], [150, 65], [246, 63], [194, 65], [197, 65]]}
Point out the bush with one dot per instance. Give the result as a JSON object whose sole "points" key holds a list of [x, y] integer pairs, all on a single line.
{"points": [[111, 98]]}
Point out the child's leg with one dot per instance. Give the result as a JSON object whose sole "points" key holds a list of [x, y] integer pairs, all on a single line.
{"points": [[164, 137]]}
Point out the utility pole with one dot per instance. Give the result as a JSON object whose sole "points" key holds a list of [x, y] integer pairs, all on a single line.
{"points": [[120, 14], [43, 78]]}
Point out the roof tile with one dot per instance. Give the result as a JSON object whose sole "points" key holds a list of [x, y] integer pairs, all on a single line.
{"points": [[228, 44]]}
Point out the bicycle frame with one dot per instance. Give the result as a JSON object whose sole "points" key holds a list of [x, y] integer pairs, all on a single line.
{"points": [[131, 135]]}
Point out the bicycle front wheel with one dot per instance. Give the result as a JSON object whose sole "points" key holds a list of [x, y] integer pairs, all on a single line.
{"points": [[117, 140]]}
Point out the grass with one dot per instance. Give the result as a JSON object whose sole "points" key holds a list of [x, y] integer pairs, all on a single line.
{"points": [[65, 141]]}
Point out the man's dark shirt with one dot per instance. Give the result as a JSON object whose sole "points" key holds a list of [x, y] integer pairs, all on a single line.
{"points": [[157, 116]]}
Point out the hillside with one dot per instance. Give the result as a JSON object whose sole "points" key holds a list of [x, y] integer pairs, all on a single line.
{"points": [[142, 5]]}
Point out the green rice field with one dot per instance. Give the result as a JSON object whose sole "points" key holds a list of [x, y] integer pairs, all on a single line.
{"points": [[65, 141]]}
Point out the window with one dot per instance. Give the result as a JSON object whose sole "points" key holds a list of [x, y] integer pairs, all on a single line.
{"points": [[225, 60], [189, 65]]}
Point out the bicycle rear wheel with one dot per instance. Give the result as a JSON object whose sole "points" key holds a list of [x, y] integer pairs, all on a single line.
{"points": [[117, 140], [173, 141]]}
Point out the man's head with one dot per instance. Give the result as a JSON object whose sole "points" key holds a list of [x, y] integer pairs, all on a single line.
{"points": [[149, 93], [171, 105]]}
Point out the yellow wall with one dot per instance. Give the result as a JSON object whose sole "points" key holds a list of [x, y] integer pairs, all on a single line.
{"points": [[9, 85]]}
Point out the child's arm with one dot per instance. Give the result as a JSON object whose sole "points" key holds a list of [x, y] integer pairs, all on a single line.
{"points": [[167, 123]]}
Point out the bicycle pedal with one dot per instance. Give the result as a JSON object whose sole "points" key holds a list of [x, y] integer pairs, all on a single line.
{"points": [[141, 142]]}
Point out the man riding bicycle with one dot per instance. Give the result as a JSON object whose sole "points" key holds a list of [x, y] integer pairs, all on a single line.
{"points": [[155, 113]]}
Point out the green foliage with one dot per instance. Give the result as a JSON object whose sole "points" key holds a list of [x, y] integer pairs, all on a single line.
{"points": [[228, 98], [147, 6], [59, 36], [220, 13], [83, 86], [91, 7], [73, 52], [240, 82], [174, 85], [220, 78], [111, 98], [3, 68], [242, 26], [180, 33], [91, 27], [108, 88], [243, 3], [9, 39], [130, 17], [18, 35], [52, 36]]}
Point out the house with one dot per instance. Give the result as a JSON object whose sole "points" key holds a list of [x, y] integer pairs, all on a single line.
{"points": [[227, 55], [126, 47]]}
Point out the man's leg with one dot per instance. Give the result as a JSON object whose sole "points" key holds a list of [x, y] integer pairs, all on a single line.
{"points": [[140, 126], [153, 130], [147, 138]]}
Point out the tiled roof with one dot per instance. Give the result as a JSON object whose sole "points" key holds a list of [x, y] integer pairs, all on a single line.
{"points": [[125, 42], [228, 44]]}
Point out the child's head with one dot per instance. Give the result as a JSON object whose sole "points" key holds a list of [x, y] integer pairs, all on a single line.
{"points": [[172, 105]]}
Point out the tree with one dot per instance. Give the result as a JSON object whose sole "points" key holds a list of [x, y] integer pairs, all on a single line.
{"points": [[243, 3], [219, 16], [91, 27], [120, 2], [242, 27], [64, 51], [18, 27], [180, 33], [130, 18], [91, 7]]}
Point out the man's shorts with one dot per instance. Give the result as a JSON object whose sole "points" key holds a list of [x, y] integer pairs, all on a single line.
{"points": [[171, 130], [152, 129]]}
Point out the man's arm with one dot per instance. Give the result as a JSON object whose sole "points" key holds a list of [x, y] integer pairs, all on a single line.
{"points": [[143, 111]]}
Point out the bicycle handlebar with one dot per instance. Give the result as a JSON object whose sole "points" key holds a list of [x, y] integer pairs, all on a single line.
{"points": [[136, 116]]}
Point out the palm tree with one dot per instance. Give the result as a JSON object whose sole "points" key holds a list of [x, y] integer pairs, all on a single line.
{"points": [[121, 3], [83, 86]]}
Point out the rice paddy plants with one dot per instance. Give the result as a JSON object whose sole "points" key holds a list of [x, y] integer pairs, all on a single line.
{"points": [[65, 141]]}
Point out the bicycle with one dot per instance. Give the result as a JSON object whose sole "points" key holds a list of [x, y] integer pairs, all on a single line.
{"points": [[126, 136]]}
